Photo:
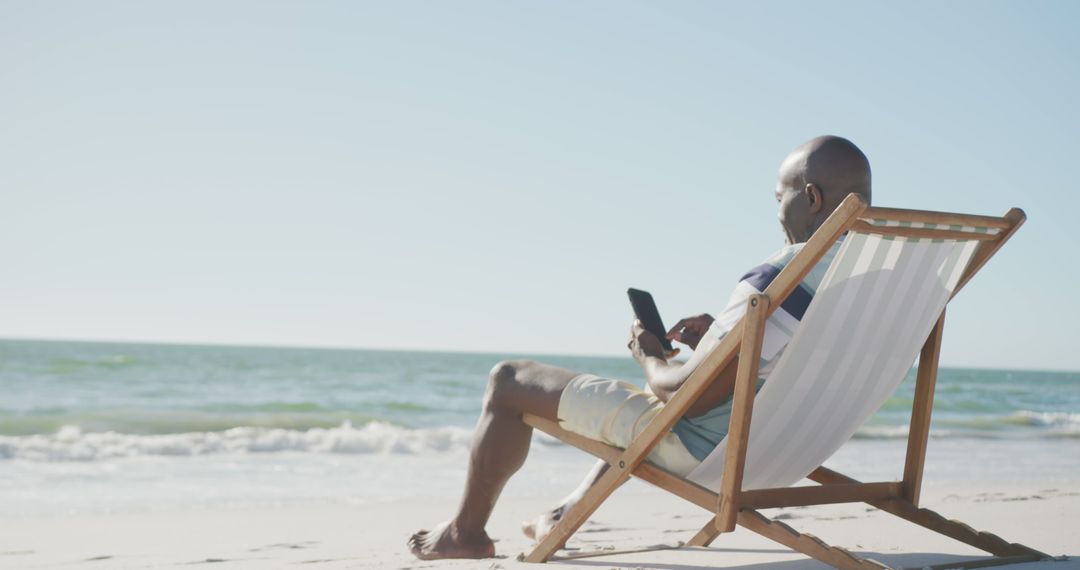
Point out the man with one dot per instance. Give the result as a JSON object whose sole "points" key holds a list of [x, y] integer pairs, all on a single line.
{"points": [[813, 180]]}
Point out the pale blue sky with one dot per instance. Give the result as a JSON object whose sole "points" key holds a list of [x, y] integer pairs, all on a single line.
{"points": [[492, 176]]}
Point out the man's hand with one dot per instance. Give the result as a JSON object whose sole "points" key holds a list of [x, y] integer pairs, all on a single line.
{"points": [[690, 330], [644, 344]]}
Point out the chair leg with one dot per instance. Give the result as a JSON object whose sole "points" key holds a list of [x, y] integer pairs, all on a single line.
{"points": [[808, 544], [957, 530], [706, 535], [577, 515], [1005, 552], [927, 518]]}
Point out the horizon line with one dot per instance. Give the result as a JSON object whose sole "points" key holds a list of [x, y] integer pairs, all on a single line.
{"points": [[180, 343]]}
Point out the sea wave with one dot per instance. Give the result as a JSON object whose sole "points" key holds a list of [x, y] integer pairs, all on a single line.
{"points": [[70, 443], [77, 443], [1022, 423], [1044, 419], [205, 418], [884, 432]]}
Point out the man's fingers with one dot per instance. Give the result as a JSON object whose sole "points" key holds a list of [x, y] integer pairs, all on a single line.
{"points": [[688, 337], [679, 326], [637, 330], [696, 325]]}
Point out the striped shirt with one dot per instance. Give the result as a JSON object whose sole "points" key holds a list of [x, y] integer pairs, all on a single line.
{"points": [[702, 433]]}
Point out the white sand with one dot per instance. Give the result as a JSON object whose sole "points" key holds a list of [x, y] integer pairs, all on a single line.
{"points": [[1042, 516]]}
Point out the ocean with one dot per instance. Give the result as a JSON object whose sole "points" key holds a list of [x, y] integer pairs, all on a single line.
{"points": [[108, 427]]}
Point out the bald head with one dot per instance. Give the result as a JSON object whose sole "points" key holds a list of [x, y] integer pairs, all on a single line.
{"points": [[814, 179]]}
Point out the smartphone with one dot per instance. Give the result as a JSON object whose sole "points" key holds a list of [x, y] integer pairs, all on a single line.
{"points": [[645, 311]]}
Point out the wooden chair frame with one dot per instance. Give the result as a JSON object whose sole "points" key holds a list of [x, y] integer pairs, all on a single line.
{"points": [[732, 504]]}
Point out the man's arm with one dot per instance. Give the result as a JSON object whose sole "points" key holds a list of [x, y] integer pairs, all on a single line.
{"points": [[666, 377]]}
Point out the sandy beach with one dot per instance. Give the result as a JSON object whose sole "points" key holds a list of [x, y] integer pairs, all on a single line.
{"points": [[373, 535]]}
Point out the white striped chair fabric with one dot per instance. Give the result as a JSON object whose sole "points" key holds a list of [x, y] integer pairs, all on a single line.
{"points": [[878, 301]]}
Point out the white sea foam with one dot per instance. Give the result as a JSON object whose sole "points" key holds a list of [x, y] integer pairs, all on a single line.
{"points": [[1020, 424], [70, 443], [882, 432], [1062, 420]]}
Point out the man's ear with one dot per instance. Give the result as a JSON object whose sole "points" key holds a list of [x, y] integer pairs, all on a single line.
{"points": [[814, 197]]}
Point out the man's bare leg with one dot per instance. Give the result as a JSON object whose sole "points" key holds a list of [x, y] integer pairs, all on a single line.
{"points": [[499, 448]]}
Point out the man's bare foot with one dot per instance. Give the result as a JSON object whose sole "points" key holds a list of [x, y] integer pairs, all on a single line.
{"points": [[538, 529], [444, 542]]}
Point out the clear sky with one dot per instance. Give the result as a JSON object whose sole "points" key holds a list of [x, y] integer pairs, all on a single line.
{"points": [[492, 176]]}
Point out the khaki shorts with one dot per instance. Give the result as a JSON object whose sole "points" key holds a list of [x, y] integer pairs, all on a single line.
{"points": [[615, 412]]}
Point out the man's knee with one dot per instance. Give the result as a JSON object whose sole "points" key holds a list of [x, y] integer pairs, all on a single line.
{"points": [[505, 379]]}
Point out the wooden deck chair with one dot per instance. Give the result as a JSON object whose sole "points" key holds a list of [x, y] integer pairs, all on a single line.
{"points": [[884, 295]]}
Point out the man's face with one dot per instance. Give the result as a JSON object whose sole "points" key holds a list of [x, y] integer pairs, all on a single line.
{"points": [[794, 211]]}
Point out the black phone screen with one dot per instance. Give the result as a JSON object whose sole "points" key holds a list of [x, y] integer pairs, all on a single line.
{"points": [[645, 311]]}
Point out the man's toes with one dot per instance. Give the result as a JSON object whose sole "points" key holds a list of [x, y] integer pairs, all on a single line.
{"points": [[417, 539]]}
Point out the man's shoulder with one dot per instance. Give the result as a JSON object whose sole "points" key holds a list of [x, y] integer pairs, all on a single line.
{"points": [[762, 274], [784, 255]]}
